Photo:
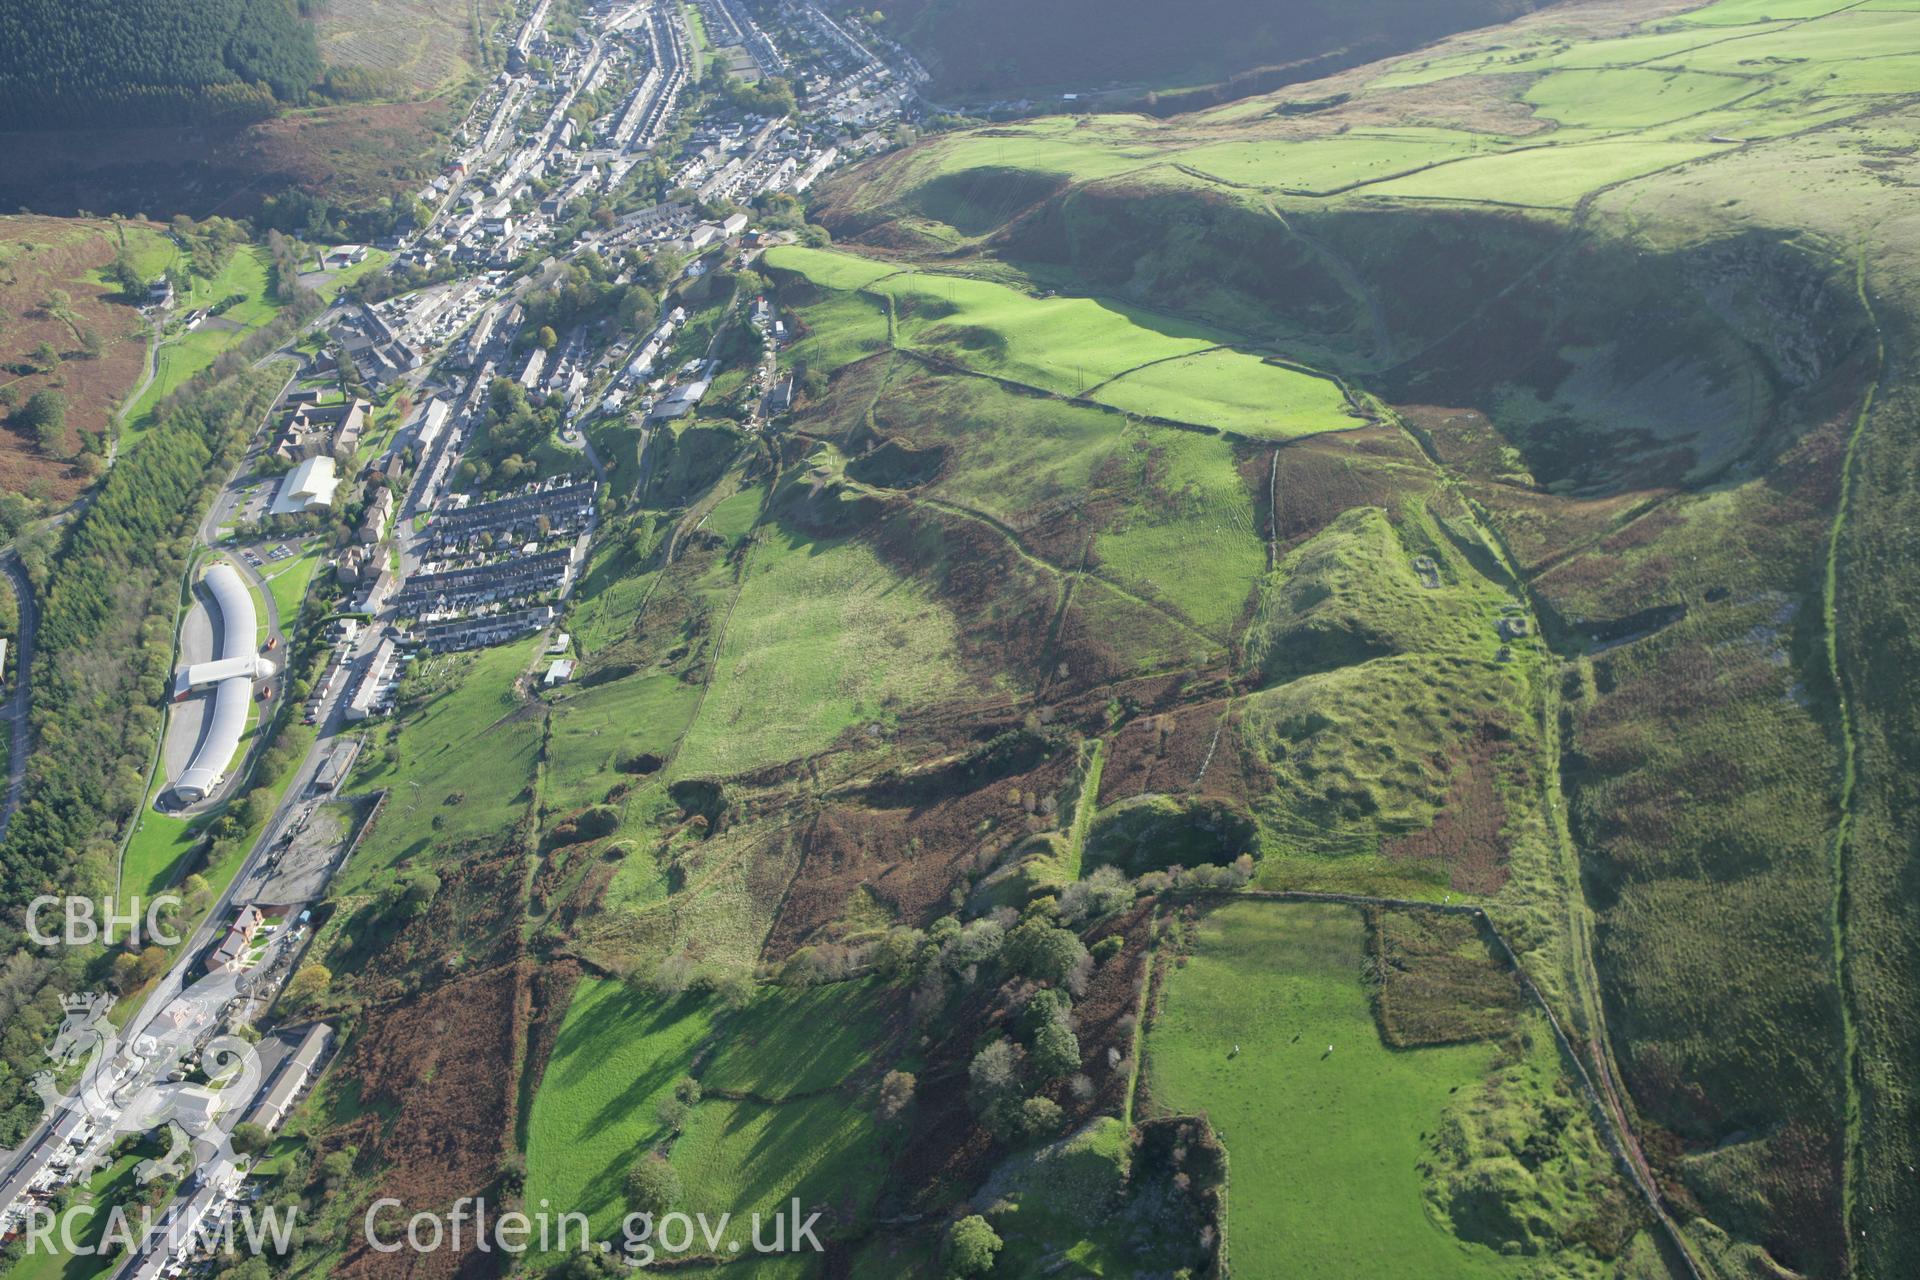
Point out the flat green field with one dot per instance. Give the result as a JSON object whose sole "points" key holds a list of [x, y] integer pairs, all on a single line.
{"points": [[288, 579], [1324, 1144], [1733, 13], [1629, 97], [829, 268], [824, 637], [619, 1052], [618, 1055], [157, 851], [1235, 392], [1854, 35], [1124, 356], [1059, 344]]}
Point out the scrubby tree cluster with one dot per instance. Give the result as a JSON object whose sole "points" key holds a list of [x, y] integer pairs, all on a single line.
{"points": [[105, 655], [44, 417], [972, 1246], [589, 289], [283, 269], [653, 1185], [515, 427]]}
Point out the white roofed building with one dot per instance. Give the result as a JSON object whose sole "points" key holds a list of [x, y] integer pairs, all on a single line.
{"points": [[308, 487], [536, 364], [205, 675], [432, 422]]}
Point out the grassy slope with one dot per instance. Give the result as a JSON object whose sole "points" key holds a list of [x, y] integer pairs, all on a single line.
{"points": [[594, 728], [1189, 536], [1637, 147], [987, 48], [155, 853], [799, 1041], [467, 775], [1876, 653], [37, 257], [1596, 106], [618, 1054], [752, 1157], [183, 353], [823, 639], [416, 46]]}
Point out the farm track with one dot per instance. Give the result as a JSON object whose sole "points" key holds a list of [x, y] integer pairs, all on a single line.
{"points": [[1273, 509], [1845, 799], [1549, 563], [154, 343], [1350, 280], [1054, 630], [704, 508], [1142, 1014], [1014, 540], [1606, 1092], [1213, 744]]}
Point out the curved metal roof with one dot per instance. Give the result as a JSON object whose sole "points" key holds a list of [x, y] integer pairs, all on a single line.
{"points": [[225, 723], [227, 719], [238, 625]]}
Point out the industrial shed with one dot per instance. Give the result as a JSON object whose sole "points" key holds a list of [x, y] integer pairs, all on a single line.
{"points": [[308, 487], [293, 1076]]}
